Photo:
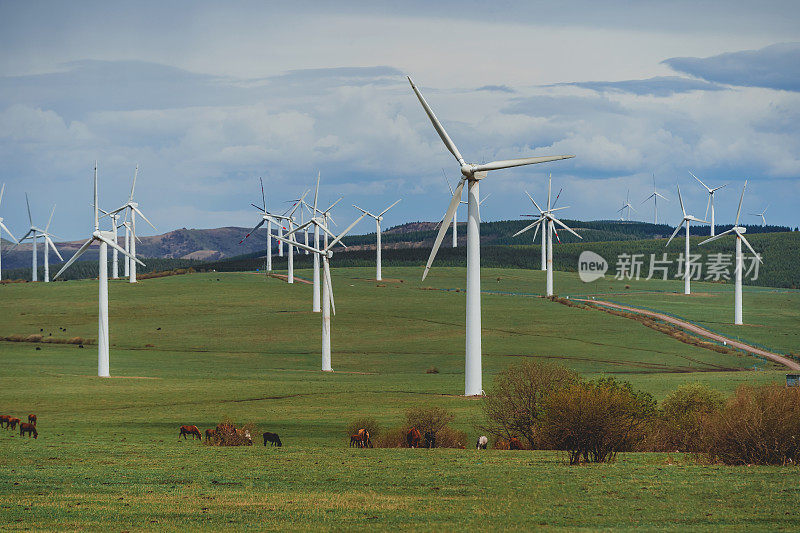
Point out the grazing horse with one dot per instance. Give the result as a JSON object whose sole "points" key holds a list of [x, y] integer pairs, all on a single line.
{"points": [[4, 420], [210, 435], [272, 438], [412, 438], [32, 419], [514, 444], [355, 440], [483, 440], [430, 439], [190, 430], [366, 441], [30, 429], [12, 423]]}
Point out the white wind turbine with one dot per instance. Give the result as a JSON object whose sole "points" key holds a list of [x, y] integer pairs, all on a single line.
{"points": [[269, 218], [471, 174], [455, 213], [4, 228], [627, 205], [327, 286], [378, 219], [298, 203], [132, 208], [655, 196], [33, 234], [738, 231], [710, 200], [104, 238], [761, 214], [544, 240], [320, 221], [687, 219], [547, 221]]}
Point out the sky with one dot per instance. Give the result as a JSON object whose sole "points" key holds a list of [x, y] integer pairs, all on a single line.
{"points": [[207, 97]]}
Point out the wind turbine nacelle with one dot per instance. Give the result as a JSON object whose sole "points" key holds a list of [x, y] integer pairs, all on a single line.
{"points": [[740, 229]]}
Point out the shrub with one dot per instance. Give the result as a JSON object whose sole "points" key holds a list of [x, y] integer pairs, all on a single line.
{"points": [[370, 424], [228, 434], [432, 370], [428, 419], [758, 425], [34, 338], [515, 404], [682, 419], [594, 420], [392, 438]]}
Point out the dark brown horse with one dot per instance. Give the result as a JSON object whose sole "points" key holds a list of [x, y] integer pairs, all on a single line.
{"points": [[355, 440], [272, 438], [12, 423], [4, 420], [30, 429], [412, 438], [190, 430], [210, 435], [32, 419]]}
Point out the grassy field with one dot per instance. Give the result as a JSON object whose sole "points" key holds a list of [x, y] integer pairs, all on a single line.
{"points": [[246, 348]]}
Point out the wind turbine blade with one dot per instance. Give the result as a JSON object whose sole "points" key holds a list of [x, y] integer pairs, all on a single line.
{"points": [[680, 199], [634, 209], [717, 188], [72, 259], [253, 230], [52, 245], [708, 204], [661, 196], [557, 197], [30, 218], [448, 217], [566, 227], [135, 173], [366, 212], [260, 209], [701, 183], [677, 229], [263, 198], [3, 226], [398, 201], [643, 201], [509, 163], [22, 238], [534, 202], [49, 220], [2, 189], [345, 232], [529, 226], [559, 208], [744, 240], [484, 199], [444, 175], [437, 125], [144, 217], [316, 194], [299, 228], [323, 228], [326, 271], [536, 232], [118, 248], [739, 211], [717, 236], [695, 219], [297, 244]]}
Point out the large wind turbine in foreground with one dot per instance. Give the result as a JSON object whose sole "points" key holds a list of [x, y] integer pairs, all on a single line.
{"points": [[547, 221], [687, 219], [104, 238], [710, 200], [327, 286], [655, 196], [471, 174], [378, 219], [738, 231], [4, 228]]}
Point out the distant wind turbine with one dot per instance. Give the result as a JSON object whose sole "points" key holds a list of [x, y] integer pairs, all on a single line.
{"points": [[4, 228], [33, 235], [378, 219], [710, 200], [761, 214], [655, 196], [627, 205], [687, 219], [132, 208]]}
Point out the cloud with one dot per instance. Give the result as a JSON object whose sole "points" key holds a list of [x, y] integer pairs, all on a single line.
{"points": [[496, 88], [657, 86], [773, 67], [563, 105]]}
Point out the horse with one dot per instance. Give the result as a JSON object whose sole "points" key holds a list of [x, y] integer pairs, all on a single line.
{"points": [[483, 440], [4, 420], [272, 438], [12, 423], [190, 430], [32, 419], [430, 439], [355, 440], [245, 436], [210, 435], [30, 429], [412, 438], [514, 444]]}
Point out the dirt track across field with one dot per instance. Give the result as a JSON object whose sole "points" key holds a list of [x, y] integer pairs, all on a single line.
{"points": [[688, 326]]}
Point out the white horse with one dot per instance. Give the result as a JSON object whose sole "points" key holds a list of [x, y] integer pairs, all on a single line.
{"points": [[483, 440]]}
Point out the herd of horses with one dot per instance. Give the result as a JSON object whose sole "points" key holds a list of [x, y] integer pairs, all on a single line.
{"points": [[226, 433], [29, 427]]}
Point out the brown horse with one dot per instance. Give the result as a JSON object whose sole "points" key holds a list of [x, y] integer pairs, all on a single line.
{"points": [[4, 420], [12, 423], [514, 444], [32, 419], [412, 438], [355, 440], [210, 435], [366, 441], [190, 430], [30, 429]]}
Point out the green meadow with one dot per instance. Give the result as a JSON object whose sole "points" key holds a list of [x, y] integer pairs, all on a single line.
{"points": [[200, 348]]}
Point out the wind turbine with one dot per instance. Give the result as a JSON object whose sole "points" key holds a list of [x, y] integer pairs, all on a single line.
{"points": [[327, 286], [104, 238], [761, 214], [320, 221], [48, 241], [269, 218], [132, 209], [455, 213], [655, 196], [739, 232], [378, 219], [627, 205], [547, 221], [2, 228], [710, 200], [33, 234], [544, 240], [471, 174], [290, 219], [687, 219]]}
